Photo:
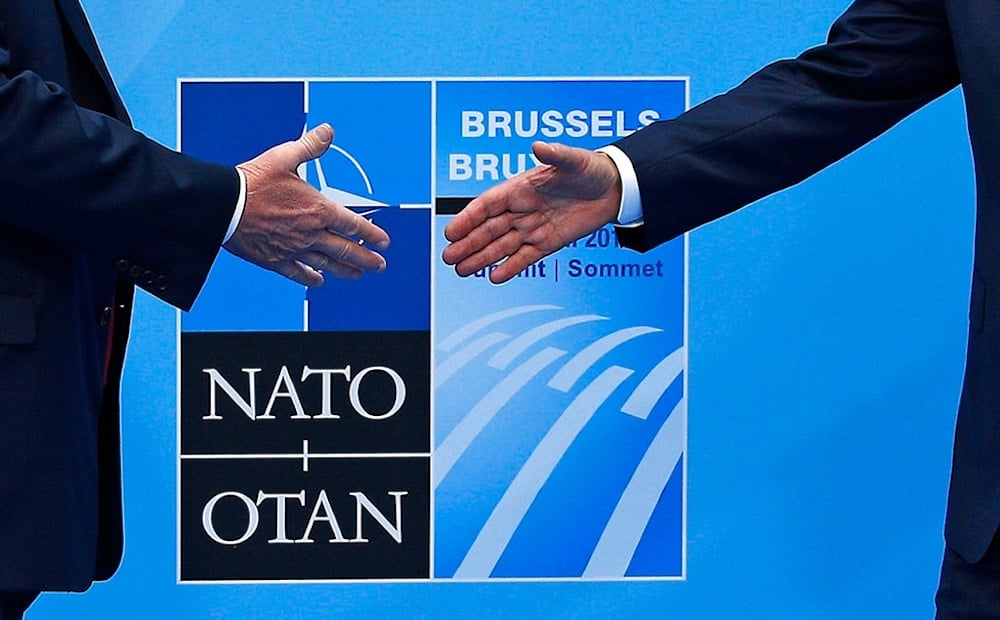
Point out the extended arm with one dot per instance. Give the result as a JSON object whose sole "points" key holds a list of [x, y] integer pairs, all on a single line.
{"points": [[95, 186], [883, 60]]}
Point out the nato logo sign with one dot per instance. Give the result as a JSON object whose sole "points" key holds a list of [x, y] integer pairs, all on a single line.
{"points": [[415, 425], [304, 455], [305, 414]]}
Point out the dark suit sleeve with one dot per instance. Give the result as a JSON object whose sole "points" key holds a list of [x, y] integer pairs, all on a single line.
{"points": [[883, 59], [95, 186]]}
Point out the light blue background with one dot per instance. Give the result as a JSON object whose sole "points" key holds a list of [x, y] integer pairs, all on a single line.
{"points": [[827, 324]]}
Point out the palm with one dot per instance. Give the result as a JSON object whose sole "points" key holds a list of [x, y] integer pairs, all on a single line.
{"points": [[535, 213]]}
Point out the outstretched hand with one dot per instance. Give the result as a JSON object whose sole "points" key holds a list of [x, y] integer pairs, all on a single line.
{"points": [[291, 228], [571, 194]]}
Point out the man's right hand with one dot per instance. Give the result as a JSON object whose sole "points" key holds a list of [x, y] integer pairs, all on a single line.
{"points": [[572, 193], [291, 228]]}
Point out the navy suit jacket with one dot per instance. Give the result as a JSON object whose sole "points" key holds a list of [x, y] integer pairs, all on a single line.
{"points": [[88, 209], [883, 60]]}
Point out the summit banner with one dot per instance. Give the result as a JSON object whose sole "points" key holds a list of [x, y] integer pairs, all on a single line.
{"points": [[560, 400], [416, 425]]}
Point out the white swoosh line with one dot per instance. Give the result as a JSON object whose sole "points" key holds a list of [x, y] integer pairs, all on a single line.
{"points": [[469, 329], [466, 354], [348, 199], [339, 196], [652, 387], [506, 355], [462, 436], [620, 539], [357, 164], [585, 359], [492, 540]]}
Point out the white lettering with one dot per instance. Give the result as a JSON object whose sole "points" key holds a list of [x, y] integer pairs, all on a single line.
{"points": [[519, 127], [248, 407], [459, 167], [326, 373], [648, 117], [600, 121], [472, 124], [284, 379], [552, 121], [253, 518], [362, 502], [499, 123], [323, 503], [398, 384], [490, 166], [279, 498], [486, 165], [322, 512], [285, 387], [577, 121]]}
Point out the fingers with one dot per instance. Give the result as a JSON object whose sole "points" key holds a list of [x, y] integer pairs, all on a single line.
{"points": [[345, 222], [343, 255], [325, 265], [339, 257], [488, 217], [474, 214], [491, 253], [457, 251], [298, 272], [518, 262], [474, 231], [477, 240], [493, 203]]}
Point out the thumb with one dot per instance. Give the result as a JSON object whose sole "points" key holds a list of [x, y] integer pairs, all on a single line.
{"points": [[567, 158], [311, 145], [316, 142]]}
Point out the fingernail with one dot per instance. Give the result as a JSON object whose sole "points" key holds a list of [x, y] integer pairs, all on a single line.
{"points": [[324, 132], [382, 245]]}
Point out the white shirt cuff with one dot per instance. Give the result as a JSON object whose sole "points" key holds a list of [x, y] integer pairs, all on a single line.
{"points": [[241, 203], [630, 210]]}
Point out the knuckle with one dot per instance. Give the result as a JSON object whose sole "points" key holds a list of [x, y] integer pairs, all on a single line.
{"points": [[353, 223], [344, 251]]}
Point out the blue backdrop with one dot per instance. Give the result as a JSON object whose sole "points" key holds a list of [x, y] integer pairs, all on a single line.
{"points": [[826, 334]]}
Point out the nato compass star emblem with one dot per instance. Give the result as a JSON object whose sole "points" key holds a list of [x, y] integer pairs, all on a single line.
{"points": [[355, 175]]}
